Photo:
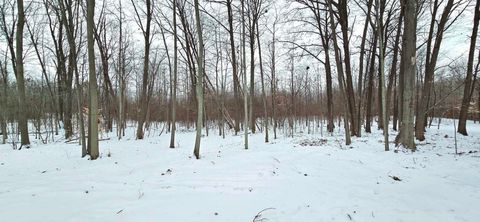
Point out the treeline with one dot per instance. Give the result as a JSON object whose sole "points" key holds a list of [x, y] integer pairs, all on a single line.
{"points": [[250, 65]]}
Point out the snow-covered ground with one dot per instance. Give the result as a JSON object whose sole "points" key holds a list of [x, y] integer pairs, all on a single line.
{"points": [[286, 180]]}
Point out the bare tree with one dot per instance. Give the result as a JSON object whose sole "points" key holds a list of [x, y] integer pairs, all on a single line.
{"points": [[20, 76], [435, 38], [469, 86], [93, 96], [199, 86], [264, 96], [146, 30], [4, 99], [175, 68], [244, 72], [381, 60], [405, 136], [341, 80]]}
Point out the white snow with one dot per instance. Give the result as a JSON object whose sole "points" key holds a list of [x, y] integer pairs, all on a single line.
{"points": [[147, 181]]}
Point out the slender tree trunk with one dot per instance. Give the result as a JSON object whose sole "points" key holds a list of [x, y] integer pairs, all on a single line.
{"points": [[343, 20], [468, 88], [361, 68], [371, 71], [236, 82], [121, 76], [420, 121], [324, 35], [175, 68], [199, 86], [22, 103], [381, 61], [264, 96], [80, 113], [393, 71], [244, 71], [142, 109], [4, 101], [92, 86], [67, 15], [341, 81], [273, 84], [252, 116]]}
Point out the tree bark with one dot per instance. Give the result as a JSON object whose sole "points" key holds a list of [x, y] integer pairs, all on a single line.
{"points": [[406, 136], [22, 101], [92, 85], [199, 86]]}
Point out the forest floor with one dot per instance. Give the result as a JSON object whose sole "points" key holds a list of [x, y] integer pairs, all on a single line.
{"points": [[300, 179]]}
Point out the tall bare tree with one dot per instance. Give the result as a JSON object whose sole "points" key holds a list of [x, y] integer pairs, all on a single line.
{"points": [[20, 76], [92, 86], [244, 72], [435, 37], [146, 31], [175, 68], [406, 135], [381, 62], [469, 86], [199, 86]]}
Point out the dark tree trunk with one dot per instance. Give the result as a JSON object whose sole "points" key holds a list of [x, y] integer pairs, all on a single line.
{"points": [[468, 88]]}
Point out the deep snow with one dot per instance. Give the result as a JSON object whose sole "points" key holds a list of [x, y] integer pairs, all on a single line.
{"points": [[147, 181]]}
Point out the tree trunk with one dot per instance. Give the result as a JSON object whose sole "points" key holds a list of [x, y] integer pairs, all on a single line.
{"points": [[143, 106], [236, 82], [22, 101], [324, 36], [273, 84], [405, 136], [264, 96], [199, 86], [341, 81], [420, 122], [80, 114], [361, 69], [4, 101], [251, 101], [467, 91], [371, 71], [244, 71], [92, 85], [174, 90], [381, 61], [343, 20], [393, 71]]}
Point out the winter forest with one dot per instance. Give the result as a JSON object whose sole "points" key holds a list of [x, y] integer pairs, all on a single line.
{"points": [[239, 110]]}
